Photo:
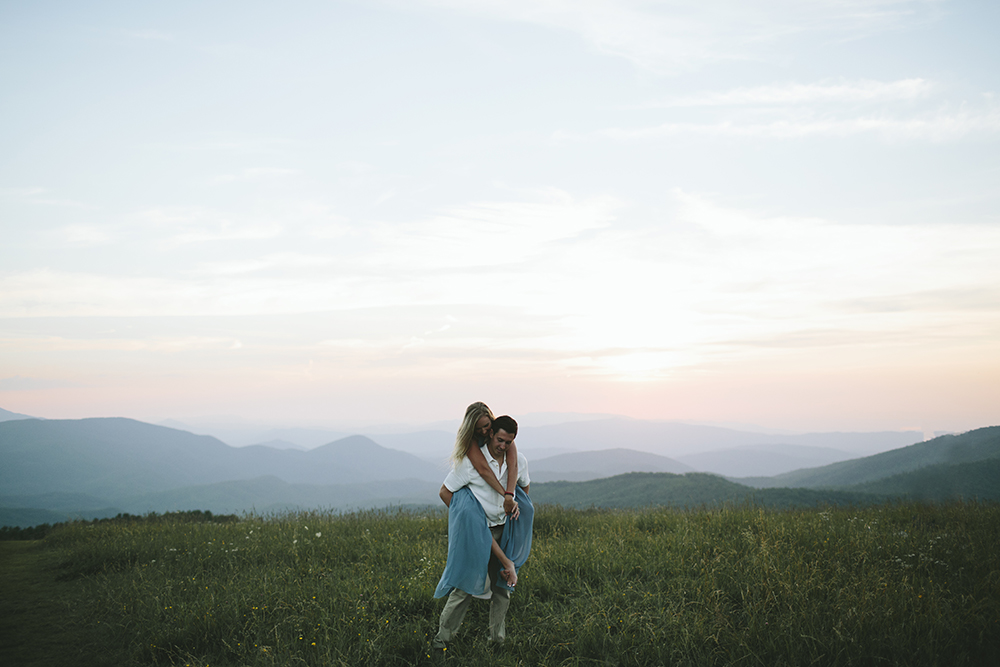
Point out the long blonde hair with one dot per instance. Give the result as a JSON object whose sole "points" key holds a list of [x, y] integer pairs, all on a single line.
{"points": [[467, 431]]}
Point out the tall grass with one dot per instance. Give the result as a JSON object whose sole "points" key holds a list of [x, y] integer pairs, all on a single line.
{"points": [[894, 585]]}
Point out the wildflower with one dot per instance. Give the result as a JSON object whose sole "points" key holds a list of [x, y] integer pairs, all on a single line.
{"points": [[319, 534]]}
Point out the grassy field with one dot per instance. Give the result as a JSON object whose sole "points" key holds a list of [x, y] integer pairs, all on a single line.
{"points": [[894, 585]]}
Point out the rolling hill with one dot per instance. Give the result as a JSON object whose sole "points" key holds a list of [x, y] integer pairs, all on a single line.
{"points": [[979, 480], [690, 490], [640, 489], [978, 445]]}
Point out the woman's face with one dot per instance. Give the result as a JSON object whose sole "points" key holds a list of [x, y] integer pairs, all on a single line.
{"points": [[483, 426]]}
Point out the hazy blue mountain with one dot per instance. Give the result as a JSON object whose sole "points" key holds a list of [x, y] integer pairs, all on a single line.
{"points": [[112, 458], [433, 445], [7, 415], [280, 444], [104, 457], [306, 438], [75, 467], [238, 433], [583, 466], [763, 460], [357, 459], [978, 445], [674, 440]]}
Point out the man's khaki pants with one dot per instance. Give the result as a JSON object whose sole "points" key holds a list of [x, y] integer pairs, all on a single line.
{"points": [[458, 603]]}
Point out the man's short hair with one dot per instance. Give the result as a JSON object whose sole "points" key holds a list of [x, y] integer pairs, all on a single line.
{"points": [[505, 423]]}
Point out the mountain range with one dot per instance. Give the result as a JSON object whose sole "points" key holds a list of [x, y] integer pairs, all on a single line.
{"points": [[96, 467], [7, 415], [706, 448], [116, 457]]}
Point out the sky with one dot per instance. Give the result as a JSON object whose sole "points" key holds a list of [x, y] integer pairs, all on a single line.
{"points": [[781, 213]]}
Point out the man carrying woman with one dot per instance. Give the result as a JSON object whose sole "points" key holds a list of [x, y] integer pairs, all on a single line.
{"points": [[485, 549]]}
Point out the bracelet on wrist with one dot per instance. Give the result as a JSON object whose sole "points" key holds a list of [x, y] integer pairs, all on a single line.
{"points": [[508, 493]]}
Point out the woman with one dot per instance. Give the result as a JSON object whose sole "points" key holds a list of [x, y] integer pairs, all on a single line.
{"points": [[472, 435], [481, 562]]}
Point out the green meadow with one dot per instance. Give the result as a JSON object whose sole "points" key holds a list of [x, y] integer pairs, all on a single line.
{"points": [[902, 584]]}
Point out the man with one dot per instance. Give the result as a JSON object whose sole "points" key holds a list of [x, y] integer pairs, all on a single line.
{"points": [[466, 551]]}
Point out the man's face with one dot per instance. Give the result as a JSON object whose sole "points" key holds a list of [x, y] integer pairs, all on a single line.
{"points": [[499, 443]]}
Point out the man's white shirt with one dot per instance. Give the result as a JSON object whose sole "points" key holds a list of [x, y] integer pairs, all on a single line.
{"points": [[464, 474]]}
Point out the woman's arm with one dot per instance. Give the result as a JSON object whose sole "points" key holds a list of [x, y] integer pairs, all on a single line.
{"points": [[508, 572], [509, 504], [478, 461]]}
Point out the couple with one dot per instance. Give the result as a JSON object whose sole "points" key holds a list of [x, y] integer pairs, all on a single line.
{"points": [[487, 484]]}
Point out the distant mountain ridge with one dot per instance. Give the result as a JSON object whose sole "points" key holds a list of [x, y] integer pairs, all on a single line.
{"points": [[977, 445], [583, 466], [691, 490], [764, 460], [675, 440], [89, 467], [947, 468], [115, 457], [7, 415]]}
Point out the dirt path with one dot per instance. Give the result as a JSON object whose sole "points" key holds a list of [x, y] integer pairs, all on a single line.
{"points": [[37, 623]]}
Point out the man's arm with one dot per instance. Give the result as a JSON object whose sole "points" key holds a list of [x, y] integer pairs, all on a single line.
{"points": [[445, 495]]}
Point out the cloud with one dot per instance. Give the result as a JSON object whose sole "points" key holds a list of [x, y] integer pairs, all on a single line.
{"points": [[283, 261], [122, 343], [884, 109], [82, 235], [567, 285], [199, 225], [940, 126], [255, 174], [481, 235], [675, 36], [32, 195], [843, 92], [710, 281], [21, 192]]}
